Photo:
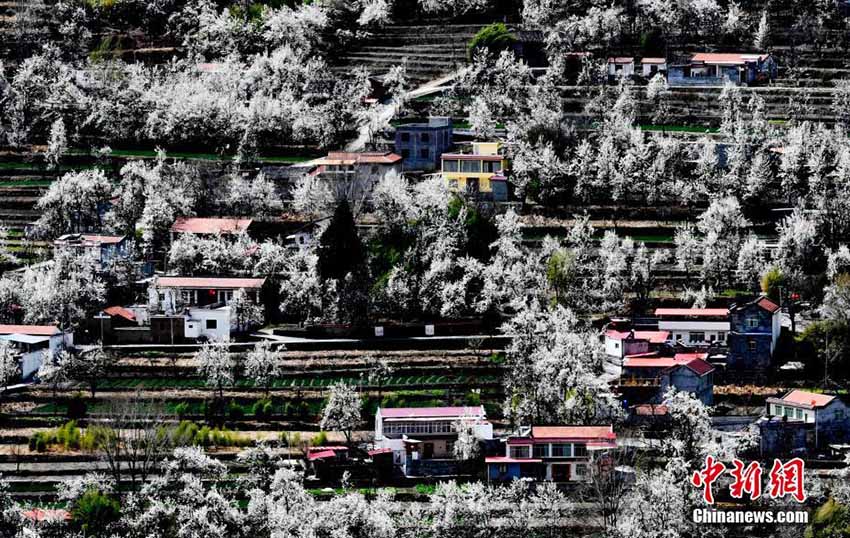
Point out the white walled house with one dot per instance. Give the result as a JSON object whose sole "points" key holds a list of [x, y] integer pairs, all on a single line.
{"points": [[695, 326], [415, 434], [621, 343], [209, 323], [171, 292], [650, 66], [620, 66], [803, 406], [33, 342]]}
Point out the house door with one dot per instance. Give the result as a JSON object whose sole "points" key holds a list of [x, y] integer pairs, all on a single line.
{"points": [[561, 473], [428, 451], [472, 185]]}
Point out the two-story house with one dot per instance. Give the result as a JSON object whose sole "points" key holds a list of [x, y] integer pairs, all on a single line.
{"points": [[479, 172], [556, 453], [694, 326], [803, 420], [688, 372], [422, 438], [755, 329], [421, 144]]}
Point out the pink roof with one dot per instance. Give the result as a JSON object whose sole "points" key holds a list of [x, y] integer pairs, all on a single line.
{"points": [[654, 337], [690, 356], [505, 459], [365, 157], [653, 60], [336, 448], [697, 365], [736, 58], [34, 330], [321, 455], [695, 312], [195, 225], [39, 514], [767, 304], [811, 399], [425, 412], [621, 60], [377, 451], [573, 432], [103, 239], [209, 282], [120, 311]]}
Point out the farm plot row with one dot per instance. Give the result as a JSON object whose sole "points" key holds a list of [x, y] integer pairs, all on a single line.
{"points": [[293, 382]]}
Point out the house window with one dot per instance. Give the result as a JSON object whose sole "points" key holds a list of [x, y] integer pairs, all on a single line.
{"points": [[752, 323], [212, 324], [492, 166], [450, 447], [697, 337], [789, 412], [721, 336], [777, 410], [799, 413], [752, 345], [405, 137], [470, 166], [225, 296], [616, 345], [424, 153], [450, 166], [425, 137], [581, 470], [580, 451], [541, 451], [711, 337], [503, 469], [561, 450], [519, 451]]}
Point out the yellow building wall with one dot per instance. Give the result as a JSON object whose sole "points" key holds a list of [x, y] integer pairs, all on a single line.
{"points": [[483, 178]]}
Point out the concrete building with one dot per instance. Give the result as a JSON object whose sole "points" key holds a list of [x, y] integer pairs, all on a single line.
{"points": [[173, 293], [480, 172], [650, 66], [619, 67], [802, 420], [621, 343], [715, 69], [422, 438], [421, 144], [755, 330], [695, 326], [33, 342], [555, 453], [207, 323]]}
